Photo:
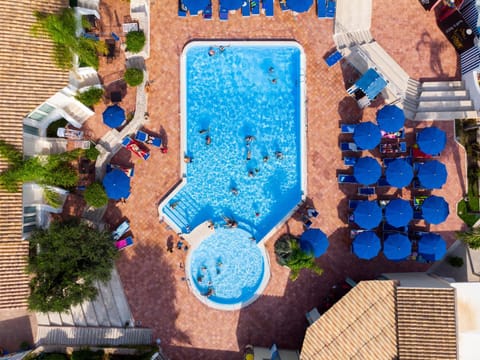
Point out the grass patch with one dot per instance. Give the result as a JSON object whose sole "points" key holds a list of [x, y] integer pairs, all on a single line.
{"points": [[464, 213], [53, 127]]}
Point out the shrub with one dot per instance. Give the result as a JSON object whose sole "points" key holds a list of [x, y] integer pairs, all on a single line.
{"points": [[52, 198], [86, 354], [90, 97], [133, 77], [455, 261], [470, 237], [92, 153], [95, 195], [283, 249], [135, 41]]}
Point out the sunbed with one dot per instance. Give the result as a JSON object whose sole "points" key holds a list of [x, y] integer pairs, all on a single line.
{"points": [[366, 191], [392, 229], [352, 203], [129, 171], [393, 148], [395, 135], [268, 7], [124, 243], [70, 133], [349, 160], [148, 139], [346, 179], [322, 9], [283, 5], [223, 14], [207, 13], [331, 7], [387, 161], [182, 9], [246, 8], [134, 147], [347, 128], [255, 7], [350, 146], [333, 58], [121, 230]]}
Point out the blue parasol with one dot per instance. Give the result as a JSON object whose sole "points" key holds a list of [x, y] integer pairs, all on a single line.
{"points": [[435, 209], [432, 140], [194, 6], [432, 247], [399, 173], [398, 212], [299, 5], [367, 135], [390, 118], [114, 116], [314, 241], [116, 184], [231, 4], [432, 174], [367, 170], [397, 247], [366, 245], [367, 214]]}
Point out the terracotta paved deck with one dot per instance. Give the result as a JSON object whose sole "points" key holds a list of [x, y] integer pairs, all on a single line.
{"points": [[152, 277]]}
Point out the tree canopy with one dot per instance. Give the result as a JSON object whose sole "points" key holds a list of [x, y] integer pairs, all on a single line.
{"points": [[65, 260], [54, 170], [289, 253]]}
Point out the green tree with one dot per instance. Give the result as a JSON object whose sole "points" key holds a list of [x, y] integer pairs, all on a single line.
{"points": [[54, 170], [65, 261], [135, 41], [95, 195], [90, 97], [133, 77], [470, 237], [289, 253], [61, 29]]}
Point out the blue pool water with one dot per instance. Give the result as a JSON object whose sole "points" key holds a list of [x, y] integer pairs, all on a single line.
{"points": [[242, 91], [230, 264]]}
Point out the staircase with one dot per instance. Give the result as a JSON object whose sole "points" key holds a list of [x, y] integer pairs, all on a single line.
{"points": [[84, 78], [185, 210], [92, 5], [348, 39], [91, 336], [76, 113], [105, 320], [14, 289], [438, 100]]}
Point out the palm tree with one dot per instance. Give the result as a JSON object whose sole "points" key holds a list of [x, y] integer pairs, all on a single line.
{"points": [[470, 237]]}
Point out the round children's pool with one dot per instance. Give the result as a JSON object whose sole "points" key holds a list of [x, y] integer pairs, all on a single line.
{"points": [[228, 270]]}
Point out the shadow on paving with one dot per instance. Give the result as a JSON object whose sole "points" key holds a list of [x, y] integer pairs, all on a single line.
{"points": [[161, 290], [183, 353], [14, 330]]}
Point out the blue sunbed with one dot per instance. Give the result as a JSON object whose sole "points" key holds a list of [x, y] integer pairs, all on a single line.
{"points": [[121, 230], [347, 128], [91, 36], [334, 58], [392, 229], [349, 146], [207, 13], [382, 182], [322, 9], [255, 7], [349, 160], [268, 7], [148, 139], [246, 8], [283, 5], [387, 161], [331, 7], [346, 179], [366, 191], [182, 9], [115, 36], [223, 14], [352, 204]]}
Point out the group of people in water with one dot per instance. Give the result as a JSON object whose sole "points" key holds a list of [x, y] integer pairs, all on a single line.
{"points": [[204, 271]]}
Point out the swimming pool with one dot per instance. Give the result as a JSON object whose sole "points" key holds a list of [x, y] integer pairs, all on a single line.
{"points": [[242, 160], [249, 89], [228, 270]]}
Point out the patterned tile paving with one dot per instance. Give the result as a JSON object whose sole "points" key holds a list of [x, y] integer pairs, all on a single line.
{"points": [[152, 277]]}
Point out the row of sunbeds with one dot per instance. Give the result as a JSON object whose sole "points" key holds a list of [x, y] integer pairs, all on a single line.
{"points": [[325, 9]]}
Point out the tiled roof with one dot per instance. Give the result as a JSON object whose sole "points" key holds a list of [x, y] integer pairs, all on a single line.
{"points": [[378, 320], [359, 326], [27, 78], [426, 325]]}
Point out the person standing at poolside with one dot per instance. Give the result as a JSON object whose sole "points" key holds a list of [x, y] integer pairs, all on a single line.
{"points": [[208, 140]]}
